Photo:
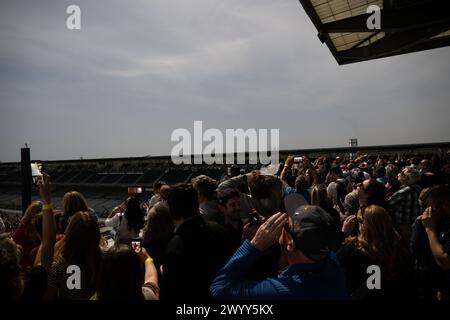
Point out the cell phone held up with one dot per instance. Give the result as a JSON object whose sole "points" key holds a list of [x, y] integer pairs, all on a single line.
{"points": [[253, 218], [36, 173], [298, 160], [136, 245]]}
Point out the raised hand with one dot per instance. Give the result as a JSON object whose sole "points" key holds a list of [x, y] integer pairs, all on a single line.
{"points": [[45, 188], [269, 232], [349, 224]]}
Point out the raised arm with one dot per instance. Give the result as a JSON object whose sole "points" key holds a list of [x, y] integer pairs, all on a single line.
{"points": [[233, 182], [45, 254], [313, 171], [287, 166], [151, 274]]}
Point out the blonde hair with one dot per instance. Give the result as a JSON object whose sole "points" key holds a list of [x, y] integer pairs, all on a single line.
{"points": [[379, 240], [34, 208]]}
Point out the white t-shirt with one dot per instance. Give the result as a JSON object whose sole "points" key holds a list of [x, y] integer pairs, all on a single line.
{"points": [[120, 223]]}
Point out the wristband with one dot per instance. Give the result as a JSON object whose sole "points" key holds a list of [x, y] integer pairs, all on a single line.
{"points": [[47, 206], [148, 260]]}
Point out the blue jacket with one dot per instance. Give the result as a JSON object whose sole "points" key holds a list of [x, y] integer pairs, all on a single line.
{"points": [[318, 281]]}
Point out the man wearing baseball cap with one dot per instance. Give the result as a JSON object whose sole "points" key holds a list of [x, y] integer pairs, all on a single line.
{"points": [[313, 271]]}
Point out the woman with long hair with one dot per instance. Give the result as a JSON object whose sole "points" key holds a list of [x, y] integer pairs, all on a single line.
{"points": [[121, 274], [80, 248], [128, 223], [319, 197], [26, 234], [379, 244], [158, 231], [16, 282], [73, 202]]}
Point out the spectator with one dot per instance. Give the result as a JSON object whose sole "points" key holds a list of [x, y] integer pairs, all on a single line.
{"points": [[319, 197], [206, 190], [229, 204], [73, 202], [299, 195], [436, 222], [378, 243], [392, 185], [16, 283], [425, 166], [415, 163], [158, 231], [371, 192], [128, 223], [230, 207], [121, 273], [427, 176], [313, 271], [380, 175], [405, 203], [196, 251], [364, 167], [265, 193], [337, 187], [79, 247], [156, 197], [351, 203], [26, 236], [367, 193]]}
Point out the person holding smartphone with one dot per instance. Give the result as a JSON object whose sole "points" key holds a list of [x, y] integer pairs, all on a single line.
{"points": [[128, 222], [120, 276], [16, 283]]}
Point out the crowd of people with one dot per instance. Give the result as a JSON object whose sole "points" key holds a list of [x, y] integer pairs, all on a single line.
{"points": [[8, 222], [313, 231]]}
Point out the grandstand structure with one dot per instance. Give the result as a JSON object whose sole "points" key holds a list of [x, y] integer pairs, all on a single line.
{"points": [[105, 182], [406, 26]]}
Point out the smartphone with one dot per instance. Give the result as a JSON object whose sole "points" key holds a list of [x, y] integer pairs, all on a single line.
{"points": [[136, 245], [298, 159], [253, 218], [36, 173]]}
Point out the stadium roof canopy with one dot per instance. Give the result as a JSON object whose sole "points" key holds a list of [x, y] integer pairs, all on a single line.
{"points": [[405, 26]]}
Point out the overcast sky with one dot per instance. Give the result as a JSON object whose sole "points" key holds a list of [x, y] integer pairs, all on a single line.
{"points": [[139, 69]]}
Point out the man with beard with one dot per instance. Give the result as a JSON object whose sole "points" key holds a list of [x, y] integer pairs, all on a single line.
{"points": [[229, 201]]}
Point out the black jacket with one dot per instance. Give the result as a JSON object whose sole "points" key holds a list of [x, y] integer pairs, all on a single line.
{"points": [[192, 258]]}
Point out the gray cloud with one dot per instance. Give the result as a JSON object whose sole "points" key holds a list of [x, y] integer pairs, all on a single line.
{"points": [[138, 70]]}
